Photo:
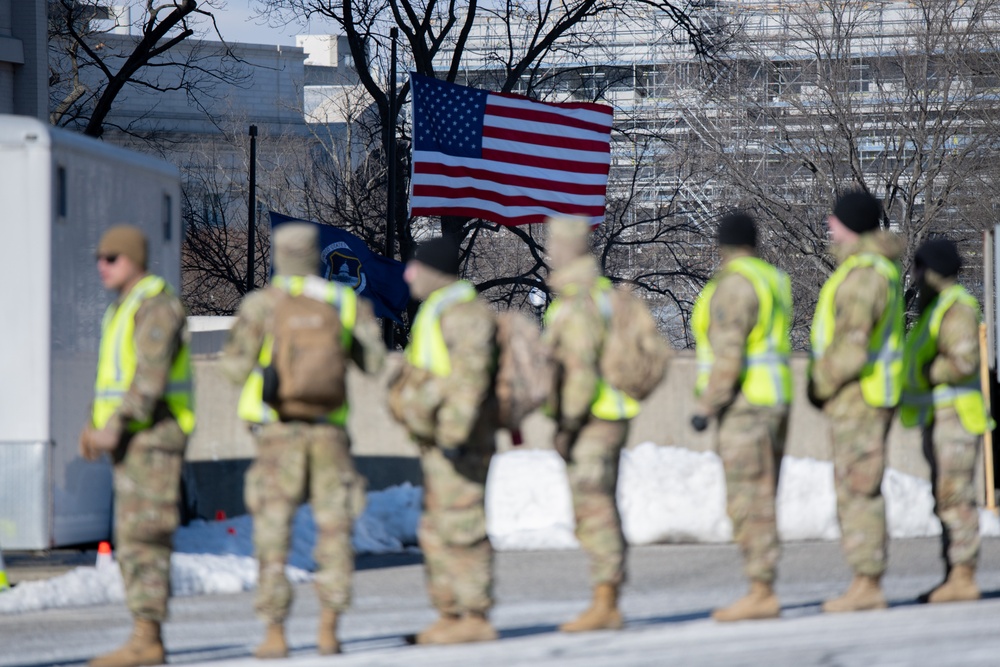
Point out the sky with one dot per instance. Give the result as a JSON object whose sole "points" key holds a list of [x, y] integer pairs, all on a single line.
{"points": [[237, 23]]}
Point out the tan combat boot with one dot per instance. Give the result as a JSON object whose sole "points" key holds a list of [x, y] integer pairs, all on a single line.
{"points": [[429, 634], [144, 647], [960, 586], [472, 627], [602, 615], [759, 603], [326, 639], [274, 645], [863, 594]]}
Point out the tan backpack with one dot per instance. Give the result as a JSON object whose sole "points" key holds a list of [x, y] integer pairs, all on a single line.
{"points": [[635, 356], [306, 378], [524, 368]]}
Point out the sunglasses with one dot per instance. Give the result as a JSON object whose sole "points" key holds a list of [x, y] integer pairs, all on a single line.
{"points": [[110, 259]]}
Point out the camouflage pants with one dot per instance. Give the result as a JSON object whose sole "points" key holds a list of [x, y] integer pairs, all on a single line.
{"points": [[592, 469], [147, 483], [458, 556], [951, 452], [858, 433], [297, 462], [751, 444]]}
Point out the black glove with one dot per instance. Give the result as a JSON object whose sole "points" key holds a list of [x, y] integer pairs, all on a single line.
{"points": [[813, 399], [562, 442], [699, 422]]}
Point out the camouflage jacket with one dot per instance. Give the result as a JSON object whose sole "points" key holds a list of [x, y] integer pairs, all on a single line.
{"points": [[160, 331], [449, 410], [734, 314], [255, 319], [859, 302], [958, 340], [575, 337]]}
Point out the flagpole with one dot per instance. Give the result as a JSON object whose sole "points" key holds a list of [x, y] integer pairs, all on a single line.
{"points": [[390, 209]]}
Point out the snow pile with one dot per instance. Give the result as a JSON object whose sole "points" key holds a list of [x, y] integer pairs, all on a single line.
{"points": [[528, 504], [189, 574], [806, 503], [673, 494], [78, 587]]}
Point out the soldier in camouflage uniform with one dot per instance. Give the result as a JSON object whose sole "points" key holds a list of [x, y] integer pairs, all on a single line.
{"points": [[444, 396], [855, 377], [942, 394], [592, 418], [142, 416], [741, 326], [299, 460]]}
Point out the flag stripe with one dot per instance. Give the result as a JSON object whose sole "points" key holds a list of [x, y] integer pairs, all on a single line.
{"points": [[513, 123], [474, 212], [425, 170], [545, 116], [590, 112], [539, 139], [510, 200], [568, 166], [504, 169], [488, 209], [424, 184]]}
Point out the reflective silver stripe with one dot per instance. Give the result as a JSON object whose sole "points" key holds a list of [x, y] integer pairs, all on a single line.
{"points": [[939, 395], [172, 388], [179, 386], [110, 393], [768, 358]]}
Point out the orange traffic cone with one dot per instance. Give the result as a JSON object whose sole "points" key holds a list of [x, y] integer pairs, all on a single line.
{"points": [[104, 558]]}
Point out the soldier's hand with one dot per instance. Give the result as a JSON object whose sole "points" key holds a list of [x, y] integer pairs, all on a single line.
{"points": [[699, 422], [104, 440], [86, 451]]}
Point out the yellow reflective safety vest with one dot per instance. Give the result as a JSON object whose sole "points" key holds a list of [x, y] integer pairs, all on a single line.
{"points": [[117, 362], [427, 349], [252, 407], [766, 378], [882, 376], [609, 404], [920, 399]]}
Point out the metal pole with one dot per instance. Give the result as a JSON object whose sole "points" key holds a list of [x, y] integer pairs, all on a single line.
{"points": [[984, 378], [390, 157], [252, 208]]}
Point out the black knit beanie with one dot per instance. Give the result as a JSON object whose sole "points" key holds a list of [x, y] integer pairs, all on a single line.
{"points": [[441, 254], [940, 256], [859, 211], [737, 229]]}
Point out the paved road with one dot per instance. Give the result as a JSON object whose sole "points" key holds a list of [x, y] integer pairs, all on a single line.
{"points": [[667, 601]]}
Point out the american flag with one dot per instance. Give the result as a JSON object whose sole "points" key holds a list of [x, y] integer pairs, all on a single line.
{"points": [[506, 158]]}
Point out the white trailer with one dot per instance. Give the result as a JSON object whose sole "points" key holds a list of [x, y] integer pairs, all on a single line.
{"points": [[58, 192]]}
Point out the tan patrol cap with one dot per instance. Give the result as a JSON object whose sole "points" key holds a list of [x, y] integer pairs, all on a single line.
{"points": [[127, 240], [296, 249], [568, 227], [572, 231]]}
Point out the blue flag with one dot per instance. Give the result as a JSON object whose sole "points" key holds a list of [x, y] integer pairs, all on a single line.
{"points": [[347, 259]]}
